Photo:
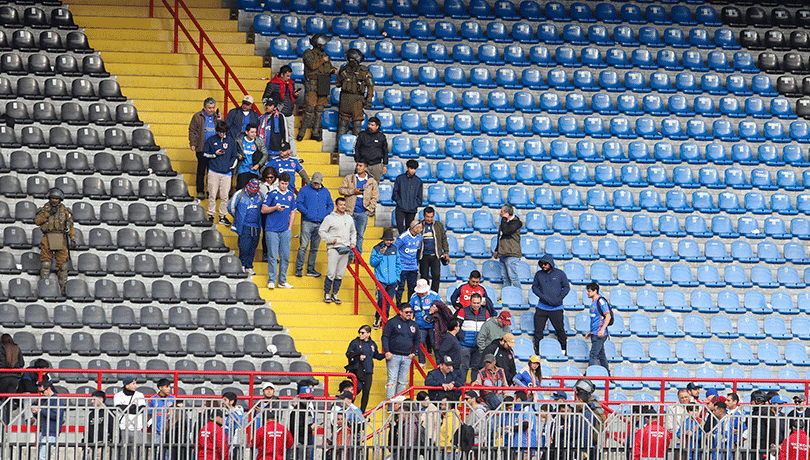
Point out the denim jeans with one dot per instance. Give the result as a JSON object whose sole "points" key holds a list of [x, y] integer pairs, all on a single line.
{"points": [[278, 247], [398, 368], [470, 359], [597, 355], [46, 443], [426, 339], [360, 222], [248, 241], [309, 237], [406, 277], [509, 270], [391, 289]]}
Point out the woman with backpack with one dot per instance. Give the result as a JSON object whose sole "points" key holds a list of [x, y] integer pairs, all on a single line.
{"points": [[601, 318]]}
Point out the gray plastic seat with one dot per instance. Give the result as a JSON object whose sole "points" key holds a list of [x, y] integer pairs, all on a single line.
{"points": [[10, 316], [274, 366], [185, 241], [156, 365], [212, 241], [101, 364], [10, 187], [37, 316], [4, 44], [66, 65], [68, 186], [159, 163], [111, 344], [10, 17], [107, 291], [174, 265], [121, 189], [112, 214], [123, 317], [203, 266], [227, 345], [152, 318], [6, 90], [116, 139], [55, 89], [50, 163], [301, 366], [77, 163], [163, 292], [140, 343], [90, 265], [21, 161], [11, 63], [198, 345], [231, 267], [8, 139], [73, 114], [65, 317], [28, 87], [40, 65], [61, 138], [180, 318], [265, 319], [132, 164], [256, 346], [191, 291], [27, 343], [195, 215], [94, 66], [131, 365], [72, 377], [8, 265], [237, 319], [30, 263], [49, 290], [53, 343], [99, 114], [248, 293], [166, 214], [118, 265], [45, 113], [83, 90], [208, 318], [25, 212], [150, 190], [35, 18], [157, 240], [77, 42], [215, 365], [189, 365], [146, 265], [33, 137], [243, 365], [93, 188], [84, 213], [88, 139], [63, 19], [101, 239], [127, 115], [83, 344], [139, 214], [144, 140], [286, 346], [135, 292], [111, 91], [5, 216], [20, 290], [129, 239], [177, 190], [169, 344], [18, 112], [15, 237], [37, 187], [220, 292], [95, 317]]}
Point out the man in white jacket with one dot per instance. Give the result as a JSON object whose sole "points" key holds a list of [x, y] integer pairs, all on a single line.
{"points": [[338, 232], [131, 403]]}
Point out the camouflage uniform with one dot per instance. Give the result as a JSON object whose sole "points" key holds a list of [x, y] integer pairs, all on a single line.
{"points": [[356, 92], [55, 220], [314, 66]]}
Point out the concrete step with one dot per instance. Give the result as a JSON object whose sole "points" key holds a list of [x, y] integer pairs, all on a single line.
{"points": [[87, 9], [236, 62]]}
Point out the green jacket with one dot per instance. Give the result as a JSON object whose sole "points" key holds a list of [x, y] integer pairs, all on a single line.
{"points": [[490, 331]]}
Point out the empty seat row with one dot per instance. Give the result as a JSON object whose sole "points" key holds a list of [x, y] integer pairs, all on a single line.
{"points": [[48, 41], [40, 65], [35, 18], [120, 188], [774, 39], [76, 162], [60, 137], [72, 113], [758, 17], [57, 89]]}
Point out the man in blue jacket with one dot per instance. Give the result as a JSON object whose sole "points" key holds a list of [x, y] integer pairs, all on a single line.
{"points": [[315, 203], [50, 411], [246, 209], [399, 340], [387, 267], [239, 117], [408, 244], [407, 195], [550, 286], [222, 158]]}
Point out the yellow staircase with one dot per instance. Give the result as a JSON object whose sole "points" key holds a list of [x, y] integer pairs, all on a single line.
{"points": [[163, 88]]}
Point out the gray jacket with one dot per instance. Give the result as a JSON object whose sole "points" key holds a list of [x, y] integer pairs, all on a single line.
{"points": [[337, 227]]}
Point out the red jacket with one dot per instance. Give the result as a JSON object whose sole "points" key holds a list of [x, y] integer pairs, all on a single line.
{"points": [[212, 443], [795, 447], [271, 441], [651, 441]]}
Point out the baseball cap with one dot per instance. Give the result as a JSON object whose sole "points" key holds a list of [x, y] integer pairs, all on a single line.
{"points": [[506, 317], [798, 398], [777, 399], [283, 146], [305, 392], [248, 98], [490, 358], [347, 395], [711, 392], [317, 178], [268, 385], [693, 386], [421, 286], [446, 360], [559, 395], [399, 398], [510, 339]]}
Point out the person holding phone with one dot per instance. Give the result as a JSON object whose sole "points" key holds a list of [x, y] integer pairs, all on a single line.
{"points": [[222, 158], [361, 192], [279, 205]]}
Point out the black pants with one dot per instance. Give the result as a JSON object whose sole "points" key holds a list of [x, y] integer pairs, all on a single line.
{"points": [[202, 172], [243, 179], [557, 320], [432, 265], [404, 220], [364, 385]]}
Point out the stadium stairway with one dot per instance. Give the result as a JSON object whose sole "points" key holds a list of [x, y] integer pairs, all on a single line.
{"points": [[138, 49]]}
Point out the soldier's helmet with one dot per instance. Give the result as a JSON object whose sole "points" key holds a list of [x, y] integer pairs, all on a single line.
{"points": [[355, 54], [56, 193], [319, 41]]}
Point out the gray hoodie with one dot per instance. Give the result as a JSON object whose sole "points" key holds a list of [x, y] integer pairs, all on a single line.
{"points": [[337, 227]]}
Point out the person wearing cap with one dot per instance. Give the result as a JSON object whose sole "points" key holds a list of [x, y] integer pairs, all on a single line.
{"points": [[362, 193], [273, 439], [251, 155], [600, 314], [445, 377], [284, 163], [408, 244], [159, 411], [314, 202], [50, 414], [550, 286], [99, 429], [472, 318], [507, 246], [435, 249], [284, 93], [233, 423], [246, 208], [371, 147], [387, 265], [407, 195], [530, 376], [503, 351], [222, 157], [338, 232], [694, 391], [131, 403], [302, 420], [200, 128], [279, 205], [460, 298], [493, 329], [422, 303], [212, 444], [399, 341], [491, 375], [239, 117], [272, 129], [361, 354], [450, 345]]}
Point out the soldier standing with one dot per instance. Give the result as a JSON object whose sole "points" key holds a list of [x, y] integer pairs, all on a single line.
{"points": [[56, 223], [356, 93], [318, 72]]}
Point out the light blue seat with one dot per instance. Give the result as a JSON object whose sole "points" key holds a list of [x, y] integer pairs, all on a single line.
{"points": [[628, 274], [769, 354], [394, 99], [475, 247], [464, 196], [507, 78], [464, 124], [491, 125], [721, 327], [491, 271], [411, 123], [667, 325], [344, 28], [715, 353], [661, 352], [652, 372], [575, 272], [291, 26], [456, 221], [501, 174], [621, 300], [525, 102], [687, 352], [796, 354], [519, 197], [551, 350], [633, 351], [402, 146], [763, 277], [647, 299], [281, 48], [730, 202], [572, 199], [735, 276], [379, 75], [482, 149], [656, 275], [636, 250], [592, 57], [661, 249], [439, 196], [559, 80], [617, 225], [626, 371]]}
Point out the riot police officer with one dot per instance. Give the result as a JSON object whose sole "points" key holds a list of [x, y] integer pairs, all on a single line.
{"points": [[56, 223], [318, 72], [356, 93]]}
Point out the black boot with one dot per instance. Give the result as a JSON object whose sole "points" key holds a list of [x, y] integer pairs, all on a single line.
{"points": [[317, 130]]}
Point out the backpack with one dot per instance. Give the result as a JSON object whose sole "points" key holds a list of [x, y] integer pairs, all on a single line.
{"points": [[610, 309], [464, 438]]}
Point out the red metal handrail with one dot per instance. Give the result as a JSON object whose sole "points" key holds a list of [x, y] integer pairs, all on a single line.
{"points": [[199, 48]]}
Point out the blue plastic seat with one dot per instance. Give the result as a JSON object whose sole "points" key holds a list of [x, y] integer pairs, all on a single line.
{"points": [[566, 57], [429, 76], [541, 56], [625, 36], [507, 78], [402, 146], [439, 196], [775, 132], [251, 6], [456, 77], [291, 26], [762, 85], [380, 75], [498, 33], [609, 249], [395, 100], [367, 28], [524, 101], [411, 123], [491, 125], [633, 351], [649, 36], [403, 75], [412, 52], [769, 353], [464, 124], [559, 80], [592, 57], [473, 101], [656, 275], [344, 28], [549, 34], [533, 79], [282, 49], [456, 148], [464, 196], [446, 31], [463, 54], [472, 31]]}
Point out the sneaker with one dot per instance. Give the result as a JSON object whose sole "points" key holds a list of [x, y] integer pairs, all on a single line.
{"points": [[298, 274], [250, 271], [377, 323], [285, 286], [271, 285], [327, 298], [336, 299], [313, 274], [211, 219], [224, 220]]}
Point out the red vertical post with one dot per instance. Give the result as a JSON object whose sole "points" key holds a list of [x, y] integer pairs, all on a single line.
{"points": [[356, 283], [200, 64], [176, 24], [151, 8], [250, 387], [226, 93], [176, 382]]}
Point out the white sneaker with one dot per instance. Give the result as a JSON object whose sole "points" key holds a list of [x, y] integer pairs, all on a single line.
{"points": [[250, 271], [285, 286], [271, 285]]}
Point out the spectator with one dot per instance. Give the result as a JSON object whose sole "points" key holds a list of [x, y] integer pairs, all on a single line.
{"points": [[550, 286], [302, 420], [531, 425], [598, 333], [507, 247], [279, 205], [435, 250], [447, 379], [221, 153], [441, 315], [797, 445], [239, 117], [315, 203], [450, 345], [10, 358], [345, 403], [399, 340], [493, 329], [676, 414], [283, 93], [477, 416], [131, 403], [251, 156], [284, 164], [361, 353], [407, 195], [317, 74], [422, 303], [212, 443], [371, 147], [530, 376], [341, 438], [246, 208], [403, 430], [159, 411], [694, 391], [492, 375], [234, 423], [652, 440], [800, 411], [268, 184], [503, 351], [690, 435], [180, 430], [460, 298], [98, 432], [337, 230], [387, 266], [272, 439], [272, 129], [430, 419], [201, 127], [50, 414], [408, 244], [269, 402], [28, 381], [472, 319], [361, 192]]}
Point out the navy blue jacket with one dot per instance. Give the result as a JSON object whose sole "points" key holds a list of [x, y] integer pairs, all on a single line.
{"points": [[368, 349], [408, 193], [313, 204], [551, 288], [436, 378], [400, 337], [51, 415], [449, 347], [235, 120], [224, 163]]}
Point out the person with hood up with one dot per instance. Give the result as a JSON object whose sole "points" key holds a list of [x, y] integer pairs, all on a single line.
{"points": [[387, 268], [550, 286]]}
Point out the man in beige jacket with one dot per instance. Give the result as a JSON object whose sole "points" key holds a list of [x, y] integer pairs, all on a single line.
{"points": [[362, 193]]}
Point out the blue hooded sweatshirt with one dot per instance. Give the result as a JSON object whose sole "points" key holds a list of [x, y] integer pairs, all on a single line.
{"points": [[313, 204], [225, 163], [386, 263], [551, 288]]}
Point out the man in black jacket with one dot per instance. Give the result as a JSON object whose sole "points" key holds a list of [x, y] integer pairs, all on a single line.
{"points": [[98, 433], [371, 147], [282, 90], [407, 195], [444, 376], [435, 249], [399, 342], [503, 350], [507, 249]]}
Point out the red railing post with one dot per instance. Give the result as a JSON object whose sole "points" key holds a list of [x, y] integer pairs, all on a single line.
{"points": [[356, 285], [151, 8], [200, 65], [227, 93], [176, 25]]}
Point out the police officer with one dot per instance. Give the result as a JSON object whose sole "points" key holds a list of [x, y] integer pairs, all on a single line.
{"points": [[356, 92], [317, 74], [56, 223]]}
